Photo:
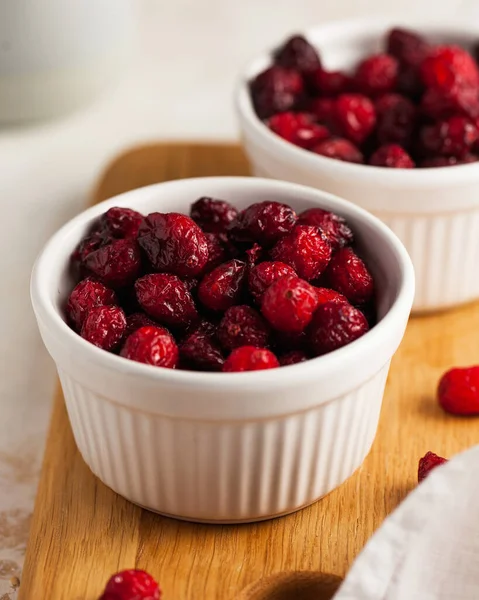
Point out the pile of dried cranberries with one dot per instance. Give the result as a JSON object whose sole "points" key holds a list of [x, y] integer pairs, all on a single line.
{"points": [[414, 105], [221, 290]]}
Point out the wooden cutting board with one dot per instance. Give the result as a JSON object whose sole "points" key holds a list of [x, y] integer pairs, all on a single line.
{"points": [[82, 532]]}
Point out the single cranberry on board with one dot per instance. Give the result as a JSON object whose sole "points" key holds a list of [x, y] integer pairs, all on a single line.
{"points": [[104, 326], [200, 352], [276, 90], [121, 222], [212, 215], [132, 584], [116, 264], [458, 391], [427, 463], [243, 326], [152, 345], [250, 358], [340, 149], [263, 222], [222, 287], [86, 295], [349, 275], [334, 227], [297, 53]]}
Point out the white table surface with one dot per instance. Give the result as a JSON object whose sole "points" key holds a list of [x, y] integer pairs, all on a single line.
{"points": [[179, 86]]}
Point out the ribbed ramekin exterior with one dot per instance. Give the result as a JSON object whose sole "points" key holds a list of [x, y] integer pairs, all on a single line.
{"points": [[224, 471]]}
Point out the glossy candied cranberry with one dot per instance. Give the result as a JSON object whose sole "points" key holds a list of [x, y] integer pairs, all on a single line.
{"points": [[276, 90], [297, 53], [340, 149], [324, 109], [174, 243], [332, 225], [132, 584], [396, 119], [292, 358], [222, 287], [427, 463], [457, 101], [452, 137], [264, 274], [242, 326], [377, 75], [329, 83], [348, 275], [135, 321], [104, 326], [306, 249], [458, 391], [263, 222], [152, 345], [212, 215], [327, 295], [298, 128], [86, 295], [448, 67], [406, 45], [217, 252], [448, 161], [250, 358], [166, 298], [355, 116], [335, 325], [199, 351], [116, 264], [122, 222], [289, 303], [392, 156]]}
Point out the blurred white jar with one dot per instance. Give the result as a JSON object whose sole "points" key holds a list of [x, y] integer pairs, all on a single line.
{"points": [[56, 55]]}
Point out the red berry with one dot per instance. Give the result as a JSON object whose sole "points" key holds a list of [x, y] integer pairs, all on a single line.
{"points": [[289, 303], [335, 325], [458, 391], [305, 249], [199, 352], [151, 345], [174, 243], [263, 222], [222, 288], [264, 274], [453, 137], [132, 585], [392, 156], [448, 161], [446, 103], [355, 116], [276, 90], [250, 358], [166, 298], [298, 129], [89, 244], [340, 149], [332, 225], [122, 222], [377, 75], [243, 326], [116, 264], [217, 252], [406, 45], [329, 83], [212, 215], [297, 53], [104, 326], [447, 67], [292, 358], [135, 321], [86, 295], [324, 109], [427, 463], [326, 295], [348, 275], [396, 119]]}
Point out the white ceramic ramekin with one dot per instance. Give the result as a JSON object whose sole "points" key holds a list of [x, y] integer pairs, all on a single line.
{"points": [[435, 212], [225, 446]]}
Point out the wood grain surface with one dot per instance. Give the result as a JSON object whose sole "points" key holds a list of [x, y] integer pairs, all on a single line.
{"points": [[82, 531]]}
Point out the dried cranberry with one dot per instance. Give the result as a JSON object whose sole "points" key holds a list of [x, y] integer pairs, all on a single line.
{"points": [[335, 325], [89, 244], [292, 358], [289, 303], [199, 352], [135, 321], [458, 391], [116, 264], [377, 75], [339, 149], [427, 463], [242, 326], [329, 83], [166, 298], [250, 358], [173, 242], [264, 274], [348, 275], [122, 222], [298, 129], [153, 346], [457, 101], [332, 225], [132, 585], [276, 90], [446, 67], [355, 116], [453, 137], [217, 252], [396, 118], [326, 295], [324, 109], [406, 45], [305, 249], [222, 288], [212, 215], [263, 222], [392, 156], [104, 326], [297, 53], [86, 295]]}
